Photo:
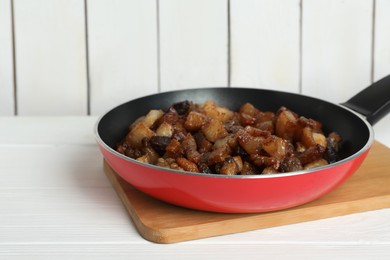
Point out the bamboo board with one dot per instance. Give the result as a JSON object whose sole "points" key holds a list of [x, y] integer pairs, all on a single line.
{"points": [[160, 222]]}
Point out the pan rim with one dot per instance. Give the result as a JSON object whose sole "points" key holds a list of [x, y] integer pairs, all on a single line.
{"points": [[357, 154]]}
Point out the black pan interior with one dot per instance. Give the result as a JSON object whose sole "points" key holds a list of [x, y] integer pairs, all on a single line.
{"points": [[113, 126]]}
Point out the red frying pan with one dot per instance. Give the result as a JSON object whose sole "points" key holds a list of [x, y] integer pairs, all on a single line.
{"points": [[256, 193]]}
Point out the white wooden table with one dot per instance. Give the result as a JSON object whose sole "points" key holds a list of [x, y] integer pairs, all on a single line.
{"points": [[56, 203]]}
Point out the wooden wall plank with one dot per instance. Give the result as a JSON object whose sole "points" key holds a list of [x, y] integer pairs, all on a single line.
{"points": [[122, 38], [336, 48], [382, 57], [193, 43], [265, 38], [6, 60], [50, 57], [382, 39]]}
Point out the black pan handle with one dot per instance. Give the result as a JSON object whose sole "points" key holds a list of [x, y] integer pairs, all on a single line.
{"points": [[373, 102]]}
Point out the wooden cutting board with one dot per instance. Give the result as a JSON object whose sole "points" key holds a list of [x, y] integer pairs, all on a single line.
{"points": [[160, 222]]}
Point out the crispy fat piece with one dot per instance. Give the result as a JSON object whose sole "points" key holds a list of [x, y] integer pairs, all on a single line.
{"points": [[187, 165], [190, 149], [171, 117], [249, 110], [165, 129], [229, 167], [217, 112], [251, 144], [311, 138], [214, 130], [269, 170], [137, 133], [152, 117], [195, 121], [320, 139], [149, 154], [218, 155], [311, 154], [277, 147], [249, 169], [286, 123], [149, 157], [261, 160], [307, 138], [174, 149], [315, 164], [202, 143], [246, 119]]}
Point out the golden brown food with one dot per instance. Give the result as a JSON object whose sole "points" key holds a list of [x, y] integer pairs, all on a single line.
{"points": [[209, 138]]}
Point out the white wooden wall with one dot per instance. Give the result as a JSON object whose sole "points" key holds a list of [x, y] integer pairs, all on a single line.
{"points": [[82, 57]]}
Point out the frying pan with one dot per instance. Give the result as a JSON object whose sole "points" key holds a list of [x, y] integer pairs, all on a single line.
{"points": [[255, 193]]}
